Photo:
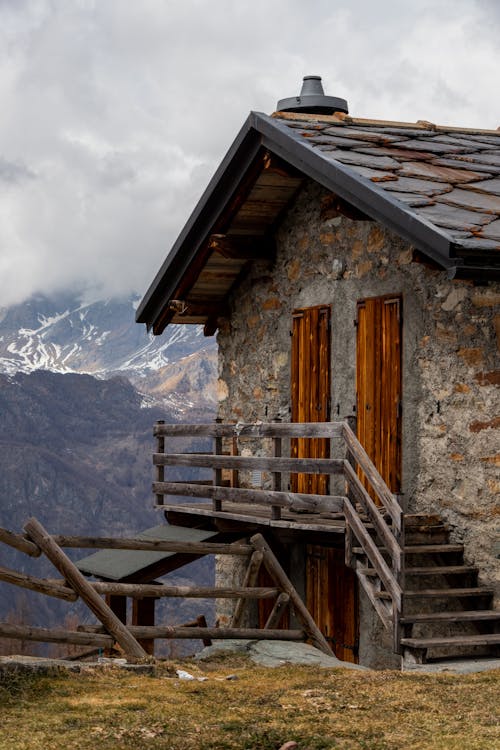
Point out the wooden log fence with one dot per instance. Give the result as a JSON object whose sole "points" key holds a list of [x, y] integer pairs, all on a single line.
{"points": [[130, 637], [373, 517], [82, 587], [363, 516]]}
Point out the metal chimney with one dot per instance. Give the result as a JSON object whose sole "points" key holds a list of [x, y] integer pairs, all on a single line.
{"points": [[312, 100]]}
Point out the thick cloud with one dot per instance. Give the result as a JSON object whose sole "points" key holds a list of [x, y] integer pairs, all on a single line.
{"points": [[115, 114]]}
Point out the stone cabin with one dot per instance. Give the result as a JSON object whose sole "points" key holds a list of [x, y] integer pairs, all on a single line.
{"points": [[350, 268]]}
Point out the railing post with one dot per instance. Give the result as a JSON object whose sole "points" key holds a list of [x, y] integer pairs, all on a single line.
{"points": [[275, 509], [217, 504], [235, 478], [160, 470], [400, 577], [350, 558]]}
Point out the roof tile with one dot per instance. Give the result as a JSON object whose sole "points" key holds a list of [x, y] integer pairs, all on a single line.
{"points": [[450, 217], [435, 172], [472, 200], [415, 185], [364, 160]]}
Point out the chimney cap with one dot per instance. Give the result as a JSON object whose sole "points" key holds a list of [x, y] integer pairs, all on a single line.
{"points": [[312, 99]]}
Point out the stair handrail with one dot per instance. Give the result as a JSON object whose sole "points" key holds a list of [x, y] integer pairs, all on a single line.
{"points": [[390, 535]]}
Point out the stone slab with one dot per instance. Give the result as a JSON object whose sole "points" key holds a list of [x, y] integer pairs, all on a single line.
{"points": [[453, 666], [278, 653]]}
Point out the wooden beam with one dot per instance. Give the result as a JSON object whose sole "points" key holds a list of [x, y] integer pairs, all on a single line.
{"points": [[157, 591], [251, 576], [83, 588], [143, 614], [289, 500], [373, 553], [19, 542], [277, 611], [259, 463], [252, 430], [363, 460], [152, 545], [197, 308], [171, 632], [37, 584], [242, 246]]}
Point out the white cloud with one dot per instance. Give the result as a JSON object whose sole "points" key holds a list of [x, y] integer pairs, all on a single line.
{"points": [[115, 114]]}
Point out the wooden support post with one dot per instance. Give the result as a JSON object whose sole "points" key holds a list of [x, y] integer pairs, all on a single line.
{"points": [[217, 504], [251, 575], [301, 612], [83, 588], [277, 611], [143, 613], [118, 605], [400, 572], [38, 584], [19, 542], [160, 470], [350, 559], [275, 509], [235, 478], [201, 622]]}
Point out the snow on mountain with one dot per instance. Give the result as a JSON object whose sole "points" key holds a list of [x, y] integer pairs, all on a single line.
{"points": [[99, 338]]}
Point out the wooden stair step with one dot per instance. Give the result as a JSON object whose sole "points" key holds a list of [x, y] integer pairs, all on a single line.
{"points": [[431, 570], [418, 549], [488, 639], [448, 592], [464, 616]]}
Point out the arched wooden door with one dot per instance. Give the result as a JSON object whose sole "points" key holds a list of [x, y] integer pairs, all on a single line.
{"points": [[331, 588]]}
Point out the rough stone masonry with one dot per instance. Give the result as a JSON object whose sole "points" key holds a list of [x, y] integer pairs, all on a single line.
{"points": [[451, 371]]}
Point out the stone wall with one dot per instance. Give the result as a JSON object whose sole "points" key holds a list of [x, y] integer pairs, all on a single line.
{"points": [[451, 342]]}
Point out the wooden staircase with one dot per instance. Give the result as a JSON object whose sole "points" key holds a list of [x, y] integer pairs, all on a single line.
{"points": [[444, 612]]}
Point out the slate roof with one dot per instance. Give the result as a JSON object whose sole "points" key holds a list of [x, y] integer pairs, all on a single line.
{"points": [[436, 186], [449, 177]]}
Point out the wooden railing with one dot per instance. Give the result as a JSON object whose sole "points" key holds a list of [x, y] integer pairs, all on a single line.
{"points": [[377, 524]]}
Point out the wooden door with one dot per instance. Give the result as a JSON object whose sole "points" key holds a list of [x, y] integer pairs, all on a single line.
{"points": [[331, 588], [332, 599], [378, 384], [310, 389]]}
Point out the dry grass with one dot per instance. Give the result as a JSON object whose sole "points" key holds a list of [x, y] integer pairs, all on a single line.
{"points": [[260, 710]]}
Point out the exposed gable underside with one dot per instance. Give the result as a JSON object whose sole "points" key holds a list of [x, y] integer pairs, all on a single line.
{"points": [[439, 188]]}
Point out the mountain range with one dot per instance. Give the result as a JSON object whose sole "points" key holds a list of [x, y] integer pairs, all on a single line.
{"points": [[81, 385], [67, 335]]}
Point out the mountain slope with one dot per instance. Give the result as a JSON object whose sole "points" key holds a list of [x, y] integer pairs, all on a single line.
{"points": [[101, 338]]}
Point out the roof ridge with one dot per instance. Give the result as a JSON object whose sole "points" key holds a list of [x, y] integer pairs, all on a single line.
{"points": [[339, 118]]}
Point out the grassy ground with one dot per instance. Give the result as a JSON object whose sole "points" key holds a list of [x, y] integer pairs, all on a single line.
{"points": [[260, 710]]}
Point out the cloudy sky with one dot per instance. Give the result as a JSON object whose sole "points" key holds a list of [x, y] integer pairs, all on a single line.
{"points": [[115, 113]]}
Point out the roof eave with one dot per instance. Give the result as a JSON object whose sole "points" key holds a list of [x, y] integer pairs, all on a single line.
{"points": [[199, 225]]}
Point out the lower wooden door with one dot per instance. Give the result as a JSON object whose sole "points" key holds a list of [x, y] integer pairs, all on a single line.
{"points": [[332, 599]]}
